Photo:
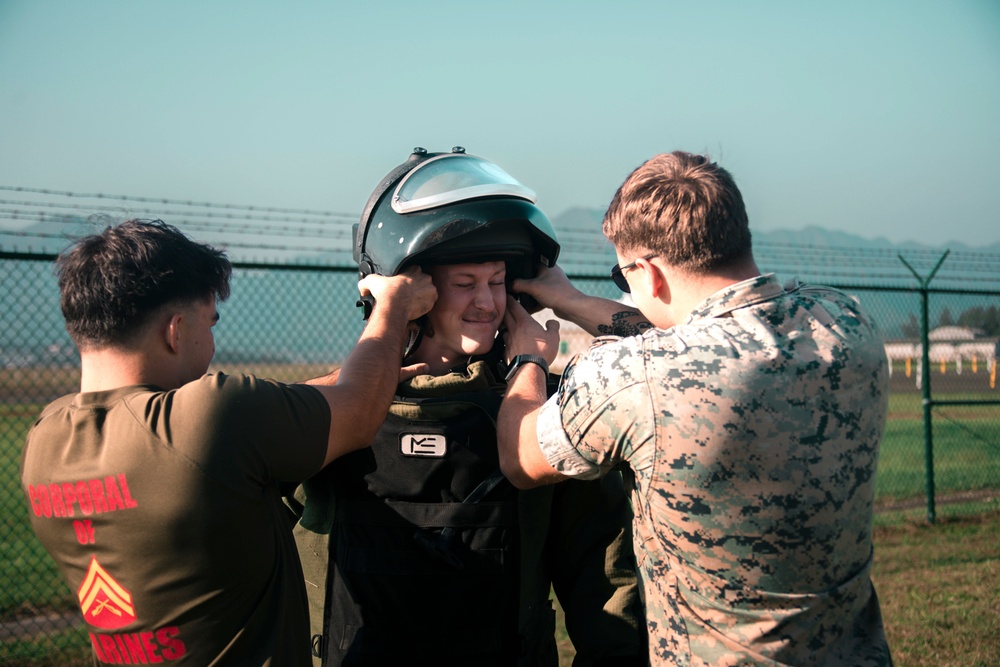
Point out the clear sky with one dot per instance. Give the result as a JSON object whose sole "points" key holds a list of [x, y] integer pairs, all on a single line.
{"points": [[881, 119]]}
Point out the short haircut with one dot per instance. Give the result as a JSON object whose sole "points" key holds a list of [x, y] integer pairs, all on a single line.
{"points": [[112, 284], [685, 208]]}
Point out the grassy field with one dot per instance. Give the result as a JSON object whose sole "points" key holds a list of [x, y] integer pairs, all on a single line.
{"points": [[939, 588], [938, 584]]}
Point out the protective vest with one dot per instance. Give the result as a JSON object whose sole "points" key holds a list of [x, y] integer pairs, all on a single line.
{"points": [[424, 545]]}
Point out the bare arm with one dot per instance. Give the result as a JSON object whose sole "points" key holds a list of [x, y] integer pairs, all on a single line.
{"points": [[521, 459], [597, 316], [360, 392]]}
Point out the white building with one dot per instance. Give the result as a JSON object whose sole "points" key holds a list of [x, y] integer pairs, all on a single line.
{"points": [[951, 347], [948, 345]]}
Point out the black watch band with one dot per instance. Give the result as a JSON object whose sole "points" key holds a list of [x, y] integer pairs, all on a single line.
{"points": [[521, 360]]}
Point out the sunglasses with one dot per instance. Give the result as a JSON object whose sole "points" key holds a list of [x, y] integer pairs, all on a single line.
{"points": [[618, 273]]}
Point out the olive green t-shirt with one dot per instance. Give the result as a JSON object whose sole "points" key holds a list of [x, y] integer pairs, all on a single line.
{"points": [[163, 512]]}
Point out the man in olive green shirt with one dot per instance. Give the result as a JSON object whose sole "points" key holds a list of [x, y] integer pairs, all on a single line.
{"points": [[155, 488]]}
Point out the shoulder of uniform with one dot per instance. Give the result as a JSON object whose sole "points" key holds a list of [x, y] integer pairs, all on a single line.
{"points": [[600, 341], [56, 406]]}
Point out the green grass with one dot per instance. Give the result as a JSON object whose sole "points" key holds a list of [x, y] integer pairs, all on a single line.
{"points": [[965, 459], [965, 448], [939, 587], [957, 558], [30, 579], [70, 648]]}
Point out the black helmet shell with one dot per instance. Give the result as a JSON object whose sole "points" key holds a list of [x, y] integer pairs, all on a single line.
{"points": [[446, 208]]}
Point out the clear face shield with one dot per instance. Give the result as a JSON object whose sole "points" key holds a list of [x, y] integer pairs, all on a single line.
{"points": [[452, 178]]}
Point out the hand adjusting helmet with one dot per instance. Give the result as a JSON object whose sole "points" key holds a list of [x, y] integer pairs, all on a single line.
{"points": [[451, 208]]}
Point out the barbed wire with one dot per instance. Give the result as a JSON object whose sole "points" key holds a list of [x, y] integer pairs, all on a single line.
{"points": [[243, 217], [228, 244], [263, 230], [179, 202], [342, 231]]}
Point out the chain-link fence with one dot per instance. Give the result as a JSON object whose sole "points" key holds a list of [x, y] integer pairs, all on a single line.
{"points": [[295, 322], [941, 447]]}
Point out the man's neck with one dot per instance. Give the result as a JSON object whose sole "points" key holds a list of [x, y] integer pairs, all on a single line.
{"points": [[106, 369], [691, 289]]}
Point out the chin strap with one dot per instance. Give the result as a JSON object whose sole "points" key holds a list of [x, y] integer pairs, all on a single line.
{"points": [[415, 328], [416, 334], [367, 304]]}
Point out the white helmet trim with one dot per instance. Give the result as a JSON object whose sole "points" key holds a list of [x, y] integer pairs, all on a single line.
{"points": [[497, 182]]}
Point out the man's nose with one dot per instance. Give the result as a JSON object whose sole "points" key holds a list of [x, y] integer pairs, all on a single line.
{"points": [[484, 296]]}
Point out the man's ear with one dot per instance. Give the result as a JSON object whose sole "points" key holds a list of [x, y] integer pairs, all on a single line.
{"points": [[172, 332], [656, 281]]}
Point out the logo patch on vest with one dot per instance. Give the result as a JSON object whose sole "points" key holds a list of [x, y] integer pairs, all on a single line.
{"points": [[105, 603], [433, 445]]}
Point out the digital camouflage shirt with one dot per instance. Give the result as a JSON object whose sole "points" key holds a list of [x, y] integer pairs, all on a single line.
{"points": [[750, 435]]}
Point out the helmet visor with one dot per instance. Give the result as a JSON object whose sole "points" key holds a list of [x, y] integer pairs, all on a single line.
{"points": [[447, 179]]}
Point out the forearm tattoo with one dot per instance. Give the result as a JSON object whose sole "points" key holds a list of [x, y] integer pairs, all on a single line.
{"points": [[625, 323]]}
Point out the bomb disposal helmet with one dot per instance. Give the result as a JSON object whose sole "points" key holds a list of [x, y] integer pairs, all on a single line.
{"points": [[450, 208]]}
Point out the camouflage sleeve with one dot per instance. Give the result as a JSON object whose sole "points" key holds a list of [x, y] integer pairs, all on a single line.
{"points": [[558, 450], [602, 413]]}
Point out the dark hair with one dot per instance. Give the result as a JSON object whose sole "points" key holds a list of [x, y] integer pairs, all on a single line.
{"points": [[685, 208], [112, 283]]}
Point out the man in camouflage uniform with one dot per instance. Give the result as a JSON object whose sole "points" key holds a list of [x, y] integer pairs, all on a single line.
{"points": [[747, 417]]}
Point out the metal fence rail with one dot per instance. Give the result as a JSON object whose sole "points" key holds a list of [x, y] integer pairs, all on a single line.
{"points": [[293, 322]]}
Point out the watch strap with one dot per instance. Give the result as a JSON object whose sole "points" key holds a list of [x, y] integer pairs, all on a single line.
{"points": [[521, 360]]}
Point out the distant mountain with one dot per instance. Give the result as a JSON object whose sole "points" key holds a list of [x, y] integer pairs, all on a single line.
{"points": [[876, 271], [589, 219], [820, 237], [579, 229], [579, 218], [812, 253]]}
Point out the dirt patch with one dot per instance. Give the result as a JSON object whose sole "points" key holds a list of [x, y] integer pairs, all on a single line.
{"points": [[981, 496], [31, 627]]}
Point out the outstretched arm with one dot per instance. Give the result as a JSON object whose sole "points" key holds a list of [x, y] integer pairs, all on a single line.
{"points": [[521, 459], [360, 392], [595, 315]]}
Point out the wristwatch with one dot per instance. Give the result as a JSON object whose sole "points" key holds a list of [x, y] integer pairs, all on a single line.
{"points": [[521, 360]]}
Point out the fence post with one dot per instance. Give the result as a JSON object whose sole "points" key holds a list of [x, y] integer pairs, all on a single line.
{"points": [[925, 379]]}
